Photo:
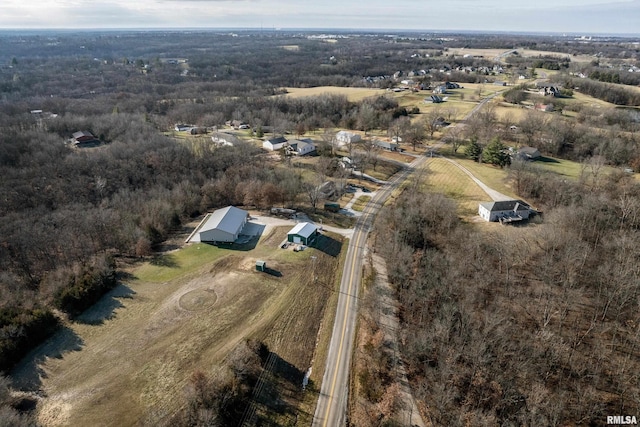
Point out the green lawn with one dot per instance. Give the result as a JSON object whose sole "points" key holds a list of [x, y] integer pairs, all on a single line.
{"points": [[492, 176], [165, 267]]}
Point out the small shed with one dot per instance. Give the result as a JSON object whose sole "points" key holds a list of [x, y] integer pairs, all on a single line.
{"points": [[261, 265], [303, 232]]}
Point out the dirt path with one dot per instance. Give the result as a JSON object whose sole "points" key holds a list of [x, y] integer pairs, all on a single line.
{"points": [[409, 414]]}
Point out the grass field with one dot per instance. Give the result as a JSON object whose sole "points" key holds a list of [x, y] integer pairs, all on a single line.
{"points": [[446, 178], [491, 175], [128, 359], [352, 93]]}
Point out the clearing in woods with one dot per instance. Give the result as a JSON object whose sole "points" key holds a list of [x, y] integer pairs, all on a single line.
{"points": [[127, 360]]}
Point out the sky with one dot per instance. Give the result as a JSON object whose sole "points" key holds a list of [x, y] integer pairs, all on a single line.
{"points": [[560, 16]]}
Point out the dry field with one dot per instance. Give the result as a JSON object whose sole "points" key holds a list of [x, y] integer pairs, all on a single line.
{"points": [[446, 178], [128, 359], [352, 93]]}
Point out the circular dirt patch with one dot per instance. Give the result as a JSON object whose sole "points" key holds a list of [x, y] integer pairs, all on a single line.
{"points": [[199, 299]]}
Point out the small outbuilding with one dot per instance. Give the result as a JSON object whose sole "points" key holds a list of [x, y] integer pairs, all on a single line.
{"points": [[304, 233], [261, 265]]}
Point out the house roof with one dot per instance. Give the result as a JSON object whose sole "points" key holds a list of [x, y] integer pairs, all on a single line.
{"points": [[505, 205], [229, 219], [277, 140], [529, 151], [83, 133], [304, 229], [385, 144]]}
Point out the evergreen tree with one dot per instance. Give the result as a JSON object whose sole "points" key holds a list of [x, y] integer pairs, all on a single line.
{"points": [[474, 150], [496, 154]]}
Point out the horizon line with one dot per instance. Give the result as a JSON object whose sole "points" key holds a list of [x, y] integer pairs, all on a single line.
{"points": [[323, 29]]}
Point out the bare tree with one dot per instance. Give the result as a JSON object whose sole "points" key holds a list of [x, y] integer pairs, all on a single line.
{"points": [[455, 137]]}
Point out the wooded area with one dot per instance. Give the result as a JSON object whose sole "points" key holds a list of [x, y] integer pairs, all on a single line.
{"points": [[520, 325], [71, 215]]}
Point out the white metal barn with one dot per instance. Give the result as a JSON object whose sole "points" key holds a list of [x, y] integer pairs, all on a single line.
{"points": [[224, 225]]}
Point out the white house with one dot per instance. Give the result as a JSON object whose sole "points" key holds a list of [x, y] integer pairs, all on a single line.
{"points": [[343, 137], [302, 147], [223, 225], [303, 232], [223, 138], [505, 210], [274, 144]]}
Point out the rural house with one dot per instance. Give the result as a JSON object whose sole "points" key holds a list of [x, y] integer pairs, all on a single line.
{"points": [[302, 147], [528, 153], [343, 138], [274, 144], [84, 139], [223, 138], [223, 225], [504, 211], [303, 232], [389, 146]]}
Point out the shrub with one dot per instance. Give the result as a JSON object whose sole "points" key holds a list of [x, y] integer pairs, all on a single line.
{"points": [[86, 287]]}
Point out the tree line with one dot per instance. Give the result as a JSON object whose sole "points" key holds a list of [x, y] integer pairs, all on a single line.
{"points": [[520, 325]]}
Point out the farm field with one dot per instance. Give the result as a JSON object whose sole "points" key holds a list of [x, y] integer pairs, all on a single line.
{"points": [[127, 360]]}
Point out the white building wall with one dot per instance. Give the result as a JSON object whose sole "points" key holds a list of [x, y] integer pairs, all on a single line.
{"points": [[217, 236]]}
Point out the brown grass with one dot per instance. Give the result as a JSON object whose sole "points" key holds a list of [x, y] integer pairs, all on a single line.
{"points": [[446, 178], [352, 93], [134, 367]]}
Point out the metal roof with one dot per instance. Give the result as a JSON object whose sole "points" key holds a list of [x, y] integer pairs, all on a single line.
{"points": [[505, 205], [229, 219], [304, 229]]}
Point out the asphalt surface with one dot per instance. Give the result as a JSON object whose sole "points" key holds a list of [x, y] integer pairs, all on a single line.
{"points": [[331, 410]]}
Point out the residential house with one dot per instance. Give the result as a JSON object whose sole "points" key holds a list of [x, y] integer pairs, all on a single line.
{"points": [[389, 146], [181, 127], [504, 211], [84, 139], [223, 138], [301, 146], [344, 138], [528, 153], [275, 144]]}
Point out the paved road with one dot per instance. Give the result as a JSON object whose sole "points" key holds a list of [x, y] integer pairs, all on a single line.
{"points": [[331, 410]]}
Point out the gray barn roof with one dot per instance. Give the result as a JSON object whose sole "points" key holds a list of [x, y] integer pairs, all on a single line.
{"points": [[229, 219], [505, 205], [304, 229]]}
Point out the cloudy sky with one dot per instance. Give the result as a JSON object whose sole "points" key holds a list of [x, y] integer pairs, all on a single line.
{"points": [[571, 16]]}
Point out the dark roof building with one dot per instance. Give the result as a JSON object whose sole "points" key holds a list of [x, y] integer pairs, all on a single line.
{"points": [[84, 139], [303, 232]]}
